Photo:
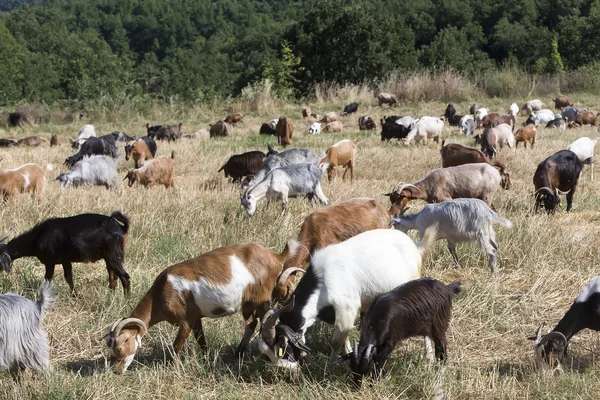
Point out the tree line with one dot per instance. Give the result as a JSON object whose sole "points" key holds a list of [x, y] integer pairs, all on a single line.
{"points": [[109, 51]]}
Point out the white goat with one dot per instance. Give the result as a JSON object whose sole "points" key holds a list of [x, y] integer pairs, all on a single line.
{"points": [[460, 220], [23, 341], [84, 134], [584, 148], [513, 110], [424, 128], [315, 128], [504, 135], [92, 170]]}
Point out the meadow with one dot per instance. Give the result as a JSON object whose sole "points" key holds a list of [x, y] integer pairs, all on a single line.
{"points": [[544, 262]]}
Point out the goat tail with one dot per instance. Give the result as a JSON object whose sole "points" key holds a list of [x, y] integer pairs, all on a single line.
{"points": [[588, 161], [49, 167], [455, 287], [496, 218], [429, 237], [173, 153], [221, 169], [47, 296], [122, 219]]}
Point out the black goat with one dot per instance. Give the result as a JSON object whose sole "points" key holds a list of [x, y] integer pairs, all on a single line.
{"points": [[583, 314], [81, 238], [7, 143], [420, 307], [241, 165], [392, 130], [122, 137], [392, 118], [104, 146], [350, 108], [556, 175], [266, 129], [451, 116], [164, 132]]}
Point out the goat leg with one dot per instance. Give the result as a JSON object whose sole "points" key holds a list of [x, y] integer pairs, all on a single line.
{"points": [[452, 249]]}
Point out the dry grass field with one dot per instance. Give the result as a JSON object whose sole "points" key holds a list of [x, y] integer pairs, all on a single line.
{"points": [[544, 262]]}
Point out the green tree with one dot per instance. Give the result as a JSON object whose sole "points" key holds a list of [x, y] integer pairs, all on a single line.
{"points": [[12, 62]]}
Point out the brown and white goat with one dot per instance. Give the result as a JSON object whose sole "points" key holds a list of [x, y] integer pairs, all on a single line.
{"points": [[55, 141], [341, 154], [140, 151], [216, 284], [32, 141], [158, 171], [525, 135], [27, 178], [327, 226], [234, 118], [471, 181], [454, 154]]}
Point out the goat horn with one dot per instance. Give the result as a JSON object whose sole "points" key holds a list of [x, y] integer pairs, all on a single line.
{"points": [[267, 329], [553, 335], [117, 326], [544, 189], [286, 274], [562, 193], [355, 348], [405, 186], [10, 231]]}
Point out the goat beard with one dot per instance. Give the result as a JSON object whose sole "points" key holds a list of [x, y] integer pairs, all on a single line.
{"points": [[293, 338], [5, 262]]}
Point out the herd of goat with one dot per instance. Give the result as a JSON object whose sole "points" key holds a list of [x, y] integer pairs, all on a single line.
{"points": [[381, 266]]}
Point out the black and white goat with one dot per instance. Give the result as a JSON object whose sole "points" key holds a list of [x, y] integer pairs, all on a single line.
{"points": [[80, 238], [583, 314], [417, 308], [103, 145]]}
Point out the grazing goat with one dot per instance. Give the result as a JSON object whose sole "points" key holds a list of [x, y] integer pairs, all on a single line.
{"points": [[26, 178], [479, 115], [81, 238], [141, 150], [366, 124], [569, 113], [266, 129], [460, 220], [103, 145], [342, 279], [387, 98], [557, 123], [422, 307], [540, 117], [234, 118], [306, 112], [158, 171], [241, 165], [454, 154], [467, 125], [584, 148], [424, 128], [451, 115], [220, 128], [278, 160], [164, 132], [530, 106], [281, 183], [32, 141], [513, 110], [221, 282], [584, 118], [562, 101], [477, 181], [315, 128], [584, 313], [327, 226], [496, 136], [486, 119], [284, 131], [473, 109], [526, 135], [7, 143], [23, 341], [335, 126], [350, 109], [340, 154], [84, 134], [92, 171], [393, 130], [329, 117], [557, 175], [55, 141]]}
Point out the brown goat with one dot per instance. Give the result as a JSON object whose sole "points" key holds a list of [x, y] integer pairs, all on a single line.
{"points": [[562, 101], [27, 178], [387, 98], [526, 134], [139, 152], [219, 128], [284, 131], [454, 154], [335, 126], [340, 154], [158, 171], [585, 118], [55, 141], [32, 141], [329, 117], [221, 282], [486, 120], [306, 112], [234, 118], [327, 226]]}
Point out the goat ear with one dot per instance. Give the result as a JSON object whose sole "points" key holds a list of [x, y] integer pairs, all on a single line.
{"points": [[388, 194]]}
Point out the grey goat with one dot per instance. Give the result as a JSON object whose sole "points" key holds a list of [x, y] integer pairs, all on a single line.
{"points": [[23, 341], [460, 220], [281, 183], [93, 170], [278, 160]]}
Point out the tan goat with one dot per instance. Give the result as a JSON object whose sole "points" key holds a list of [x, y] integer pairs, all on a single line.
{"points": [[526, 134], [27, 178], [335, 126], [340, 154], [55, 141], [139, 151], [158, 171]]}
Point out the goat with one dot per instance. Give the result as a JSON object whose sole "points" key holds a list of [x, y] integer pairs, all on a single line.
{"points": [[281, 183], [525, 135], [23, 341], [369, 264], [421, 307], [335, 126], [584, 313], [284, 131], [158, 171], [584, 118], [215, 284], [556, 175], [80, 238], [32, 141], [477, 181], [7, 143], [451, 115], [424, 128], [103, 145], [460, 220], [164, 132], [278, 160], [479, 115], [393, 130], [569, 113], [584, 148], [530, 106], [329, 117], [55, 141], [327, 226], [486, 119], [241, 165], [26, 178], [349, 109], [92, 171], [467, 125], [454, 154], [84, 134], [306, 112], [141, 150], [315, 128], [266, 129], [366, 123], [540, 117], [488, 142], [220, 128], [513, 110], [562, 101], [234, 118], [387, 98], [502, 134], [473, 109], [340, 154]]}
